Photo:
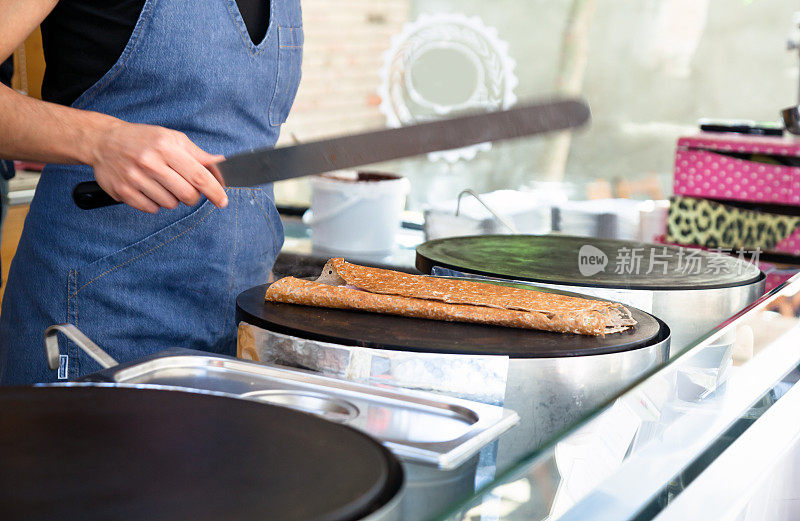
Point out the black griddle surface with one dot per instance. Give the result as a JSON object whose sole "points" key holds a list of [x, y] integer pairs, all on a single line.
{"points": [[379, 331], [553, 259], [98, 453]]}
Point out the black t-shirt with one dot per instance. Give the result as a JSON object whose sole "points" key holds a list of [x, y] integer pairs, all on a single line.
{"points": [[6, 167], [83, 39], [7, 71]]}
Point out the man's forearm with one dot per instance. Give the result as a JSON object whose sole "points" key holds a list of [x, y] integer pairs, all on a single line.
{"points": [[39, 131], [144, 166]]}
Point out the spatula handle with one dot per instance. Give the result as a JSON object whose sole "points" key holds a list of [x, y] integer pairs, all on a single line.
{"points": [[88, 196]]}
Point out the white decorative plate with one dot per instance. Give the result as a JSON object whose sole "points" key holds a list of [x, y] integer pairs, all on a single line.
{"points": [[441, 65]]}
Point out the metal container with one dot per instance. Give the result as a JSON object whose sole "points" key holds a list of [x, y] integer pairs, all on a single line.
{"points": [[436, 438], [548, 392]]}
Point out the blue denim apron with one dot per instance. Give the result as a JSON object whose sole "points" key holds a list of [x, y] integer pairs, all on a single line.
{"points": [[138, 283]]}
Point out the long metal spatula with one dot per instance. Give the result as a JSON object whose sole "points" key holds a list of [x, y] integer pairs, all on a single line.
{"points": [[267, 165]]}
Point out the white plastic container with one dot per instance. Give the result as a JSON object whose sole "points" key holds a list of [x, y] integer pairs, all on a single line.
{"points": [[356, 212]]}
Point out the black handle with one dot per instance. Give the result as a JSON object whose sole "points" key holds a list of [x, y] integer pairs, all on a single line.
{"points": [[88, 196]]}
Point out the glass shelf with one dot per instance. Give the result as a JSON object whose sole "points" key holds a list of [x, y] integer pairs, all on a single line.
{"points": [[642, 452]]}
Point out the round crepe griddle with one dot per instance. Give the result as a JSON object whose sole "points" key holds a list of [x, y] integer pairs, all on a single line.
{"points": [[554, 259], [93, 452], [392, 332]]}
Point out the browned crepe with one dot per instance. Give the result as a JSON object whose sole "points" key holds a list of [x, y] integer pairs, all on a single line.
{"points": [[348, 286]]}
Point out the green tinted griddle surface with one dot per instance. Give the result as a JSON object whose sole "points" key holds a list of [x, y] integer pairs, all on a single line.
{"points": [[358, 328], [99, 453], [553, 259]]}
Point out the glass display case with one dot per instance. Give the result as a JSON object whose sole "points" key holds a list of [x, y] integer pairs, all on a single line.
{"points": [[712, 434]]}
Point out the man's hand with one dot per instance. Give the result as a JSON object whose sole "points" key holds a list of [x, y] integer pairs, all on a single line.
{"points": [[144, 166], [148, 167]]}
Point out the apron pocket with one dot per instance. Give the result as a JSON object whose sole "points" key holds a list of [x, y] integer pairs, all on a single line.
{"points": [[166, 290], [148, 246], [290, 58]]}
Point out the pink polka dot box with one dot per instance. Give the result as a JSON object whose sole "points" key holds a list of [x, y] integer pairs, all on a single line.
{"points": [[739, 168]]}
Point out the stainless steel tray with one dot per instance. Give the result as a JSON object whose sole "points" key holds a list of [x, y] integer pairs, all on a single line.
{"points": [[416, 426]]}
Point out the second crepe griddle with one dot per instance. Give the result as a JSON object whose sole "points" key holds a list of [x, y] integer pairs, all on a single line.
{"points": [[554, 259], [380, 331]]}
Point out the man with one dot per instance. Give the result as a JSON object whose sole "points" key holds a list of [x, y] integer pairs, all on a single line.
{"points": [[144, 96]]}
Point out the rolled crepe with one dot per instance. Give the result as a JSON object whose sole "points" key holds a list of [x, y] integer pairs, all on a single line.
{"points": [[348, 286]]}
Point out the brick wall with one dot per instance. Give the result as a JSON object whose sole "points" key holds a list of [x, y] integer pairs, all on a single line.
{"points": [[344, 44]]}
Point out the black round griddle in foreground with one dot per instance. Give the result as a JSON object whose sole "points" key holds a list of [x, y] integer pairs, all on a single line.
{"points": [[99, 453], [554, 259], [357, 328]]}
